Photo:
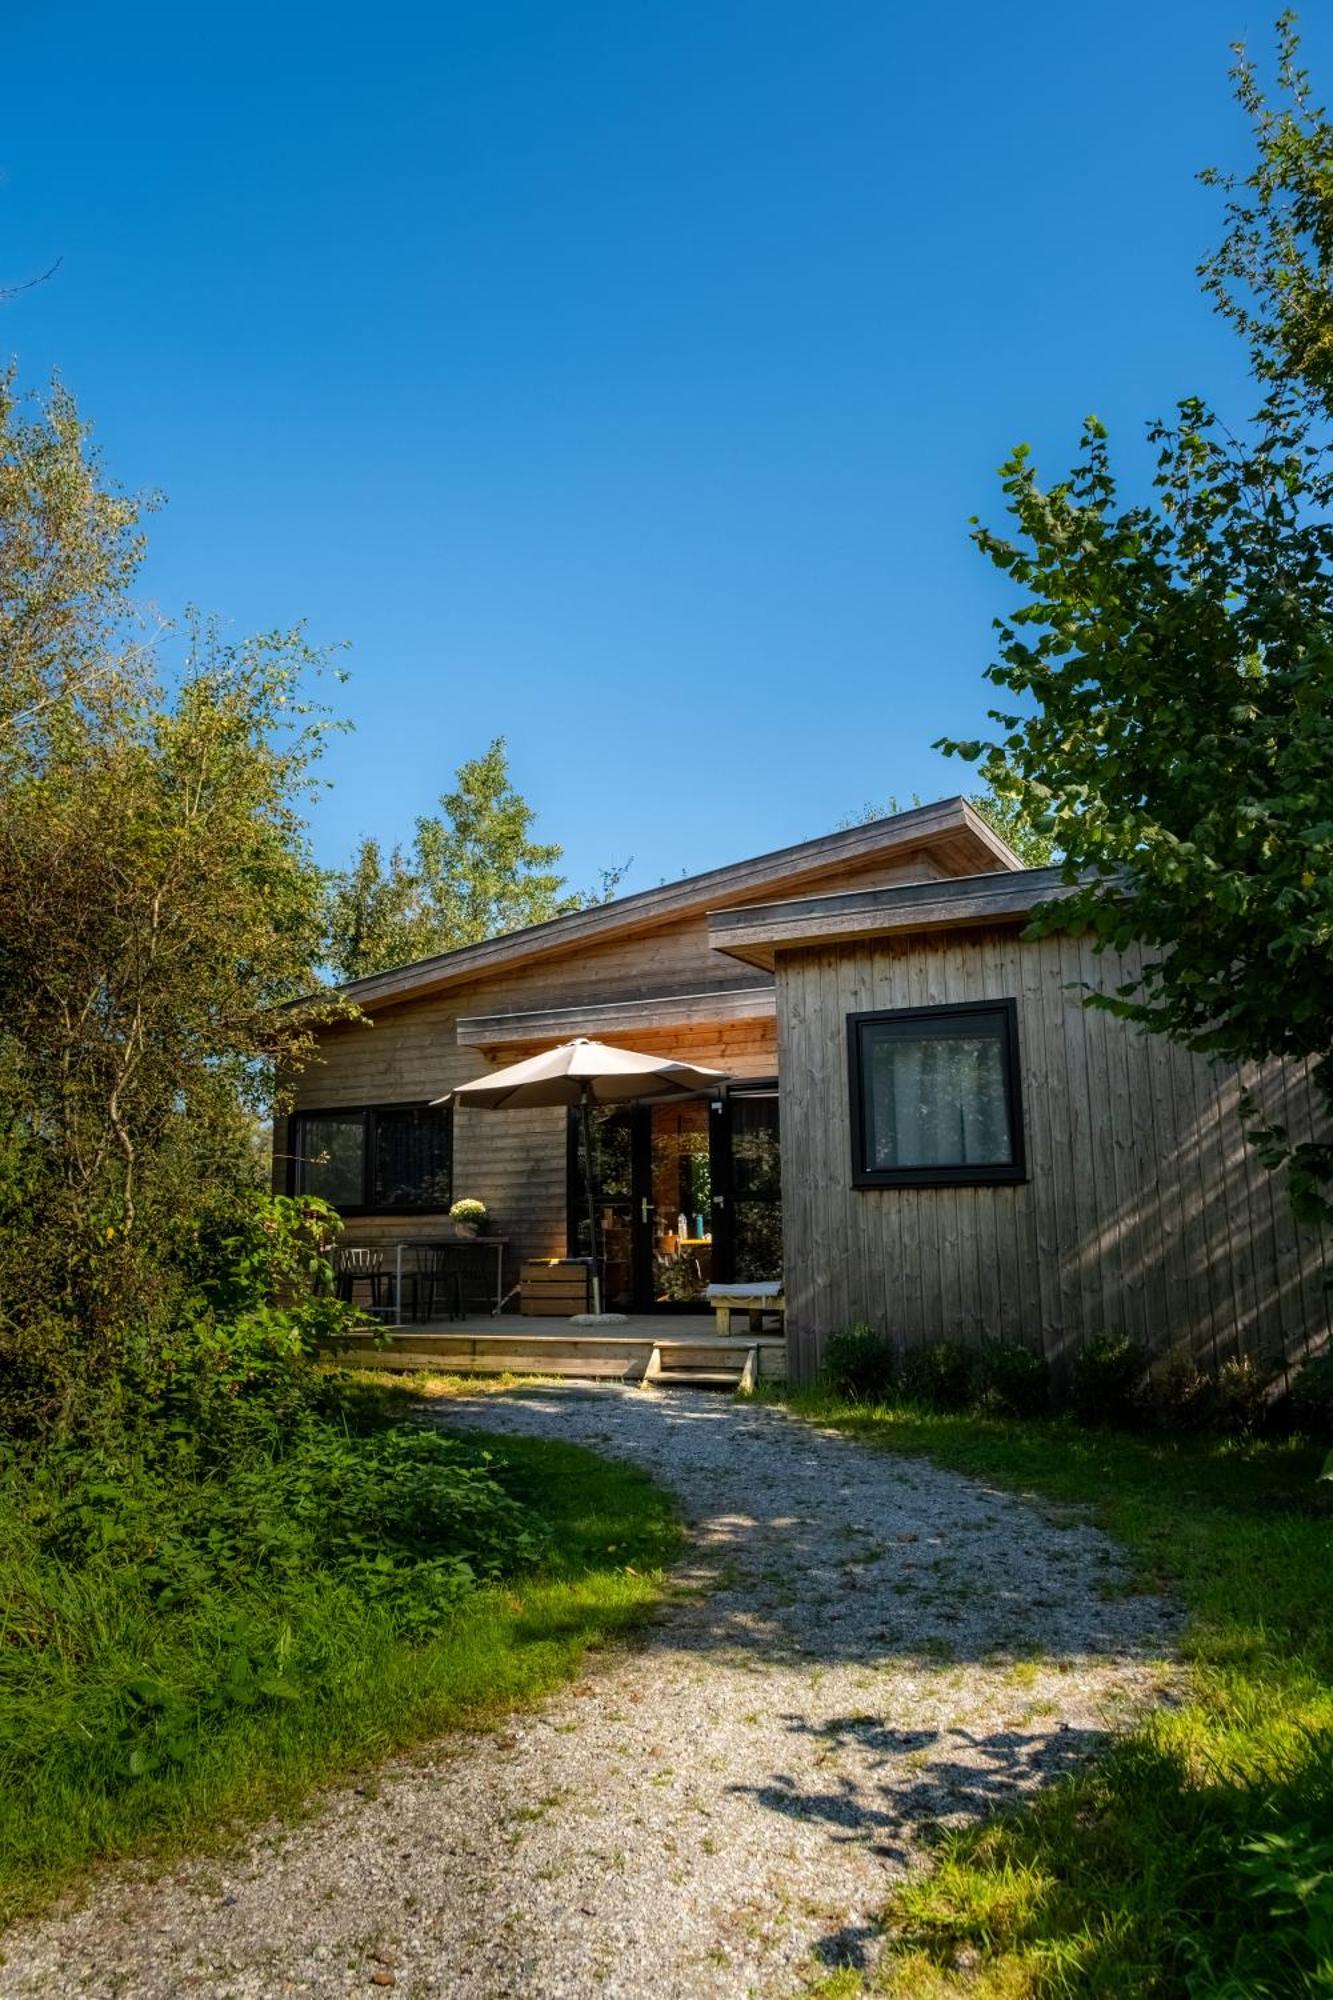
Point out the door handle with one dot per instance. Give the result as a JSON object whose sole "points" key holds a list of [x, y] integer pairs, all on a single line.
{"points": [[644, 1208]]}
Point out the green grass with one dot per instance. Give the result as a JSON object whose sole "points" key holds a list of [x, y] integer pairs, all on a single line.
{"points": [[349, 1690], [1142, 1877]]}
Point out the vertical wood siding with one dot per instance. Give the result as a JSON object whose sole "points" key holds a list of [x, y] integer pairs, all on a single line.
{"points": [[515, 1161], [1145, 1211]]}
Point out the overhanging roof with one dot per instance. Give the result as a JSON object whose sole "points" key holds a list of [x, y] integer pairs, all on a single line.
{"points": [[622, 1017], [950, 829], [756, 933]]}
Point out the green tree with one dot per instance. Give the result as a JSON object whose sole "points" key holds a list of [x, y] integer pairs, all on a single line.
{"points": [[1172, 661], [474, 872], [158, 905]]}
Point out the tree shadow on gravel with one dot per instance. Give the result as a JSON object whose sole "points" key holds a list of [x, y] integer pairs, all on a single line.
{"points": [[860, 1560], [920, 1780]]}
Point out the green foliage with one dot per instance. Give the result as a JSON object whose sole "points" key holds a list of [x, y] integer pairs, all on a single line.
{"points": [[1165, 644], [998, 1375], [1107, 1379], [860, 1364], [1012, 820], [1109, 1382], [941, 1375], [1312, 1397], [190, 1629], [158, 908], [1290, 1874], [1008, 815], [1010, 1379], [1192, 1857], [1272, 275], [474, 873]]}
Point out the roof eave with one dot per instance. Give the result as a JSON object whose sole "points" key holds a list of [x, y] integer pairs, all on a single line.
{"points": [[756, 934], [648, 907]]}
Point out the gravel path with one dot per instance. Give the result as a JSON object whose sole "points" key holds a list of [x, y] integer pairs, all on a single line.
{"points": [[862, 1649]]}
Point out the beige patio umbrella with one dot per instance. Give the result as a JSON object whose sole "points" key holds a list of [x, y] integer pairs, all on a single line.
{"points": [[584, 1073]]}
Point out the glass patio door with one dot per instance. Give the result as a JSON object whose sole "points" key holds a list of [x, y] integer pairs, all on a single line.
{"points": [[688, 1191], [676, 1207], [747, 1197]]}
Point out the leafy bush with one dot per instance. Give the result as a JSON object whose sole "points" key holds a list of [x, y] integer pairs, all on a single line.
{"points": [[1106, 1380], [941, 1376], [1312, 1397], [199, 1562], [413, 1519], [1241, 1396], [1011, 1379], [859, 1364], [183, 1638], [1183, 1397]]}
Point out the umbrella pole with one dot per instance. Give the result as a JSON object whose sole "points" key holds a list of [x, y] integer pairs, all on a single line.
{"points": [[586, 1121]]}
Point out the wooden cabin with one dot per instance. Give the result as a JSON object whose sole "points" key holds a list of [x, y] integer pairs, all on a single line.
{"points": [[641, 972], [970, 1151], [922, 1127]]}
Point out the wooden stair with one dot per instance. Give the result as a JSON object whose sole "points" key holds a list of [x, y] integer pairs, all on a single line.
{"points": [[684, 1366]]}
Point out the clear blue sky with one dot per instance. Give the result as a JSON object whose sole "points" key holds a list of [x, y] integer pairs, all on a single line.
{"points": [[616, 377]]}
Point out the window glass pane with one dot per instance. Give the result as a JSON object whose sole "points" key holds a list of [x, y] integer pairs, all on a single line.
{"points": [[936, 1093], [412, 1162], [330, 1154], [612, 1141], [756, 1165]]}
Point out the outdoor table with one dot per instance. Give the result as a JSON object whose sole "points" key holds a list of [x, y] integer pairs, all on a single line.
{"points": [[496, 1243]]}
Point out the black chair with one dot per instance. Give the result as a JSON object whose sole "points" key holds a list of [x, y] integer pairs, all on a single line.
{"points": [[474, 1270], [436, 1282], [361, 1264]]}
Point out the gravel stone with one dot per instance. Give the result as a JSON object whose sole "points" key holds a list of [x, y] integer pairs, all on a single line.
{"points": [[859, 1650]]}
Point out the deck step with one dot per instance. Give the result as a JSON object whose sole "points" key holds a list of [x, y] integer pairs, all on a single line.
{"points": [[700, 1378]]}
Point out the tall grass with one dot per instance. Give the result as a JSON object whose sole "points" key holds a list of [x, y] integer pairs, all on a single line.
{"points": [[1196, 1858], [129, 1723]]}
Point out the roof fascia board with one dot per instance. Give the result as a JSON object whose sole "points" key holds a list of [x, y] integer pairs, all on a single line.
{"points": [[651, 907], [755, 934]]}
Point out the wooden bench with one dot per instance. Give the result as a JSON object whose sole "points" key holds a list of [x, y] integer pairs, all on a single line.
{"points": [[754, 1300]]}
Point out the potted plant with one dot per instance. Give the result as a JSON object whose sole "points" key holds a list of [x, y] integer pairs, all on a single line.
{"points": [[469, 1217]]}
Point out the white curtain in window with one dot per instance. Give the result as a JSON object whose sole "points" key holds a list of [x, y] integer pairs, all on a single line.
{"points": [[938, 1101]]}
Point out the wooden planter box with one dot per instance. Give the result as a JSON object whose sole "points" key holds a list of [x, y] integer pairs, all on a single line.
{"points": [[554, 1291]]}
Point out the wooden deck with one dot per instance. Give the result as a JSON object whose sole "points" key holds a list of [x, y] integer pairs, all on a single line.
{"points": [[662, 1347]]}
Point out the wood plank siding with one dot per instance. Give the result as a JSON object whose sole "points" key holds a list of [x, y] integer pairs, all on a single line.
{"points": [[1144, 1211], [647, 978]]}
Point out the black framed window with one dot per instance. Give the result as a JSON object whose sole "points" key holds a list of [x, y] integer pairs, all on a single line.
{"points": [[385, 1159], [935, 1096]]}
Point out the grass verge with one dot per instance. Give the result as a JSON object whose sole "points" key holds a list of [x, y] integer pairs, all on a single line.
{"points": [[344, 1686], [1196, 1857]]}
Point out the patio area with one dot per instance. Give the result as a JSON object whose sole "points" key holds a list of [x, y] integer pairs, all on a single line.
{"points": [[647, 1346]]}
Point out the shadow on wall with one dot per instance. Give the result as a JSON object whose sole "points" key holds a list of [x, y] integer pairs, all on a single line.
{"points": [[1198, 1257]]}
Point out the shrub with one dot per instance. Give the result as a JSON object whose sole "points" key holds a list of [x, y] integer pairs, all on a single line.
{"points": [[859, 1364], [942, 1375], [1241, 1396], [1106, 1380], [1312, 1397], [1011, 1379], [1183, 1397], [409, 1519]]}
